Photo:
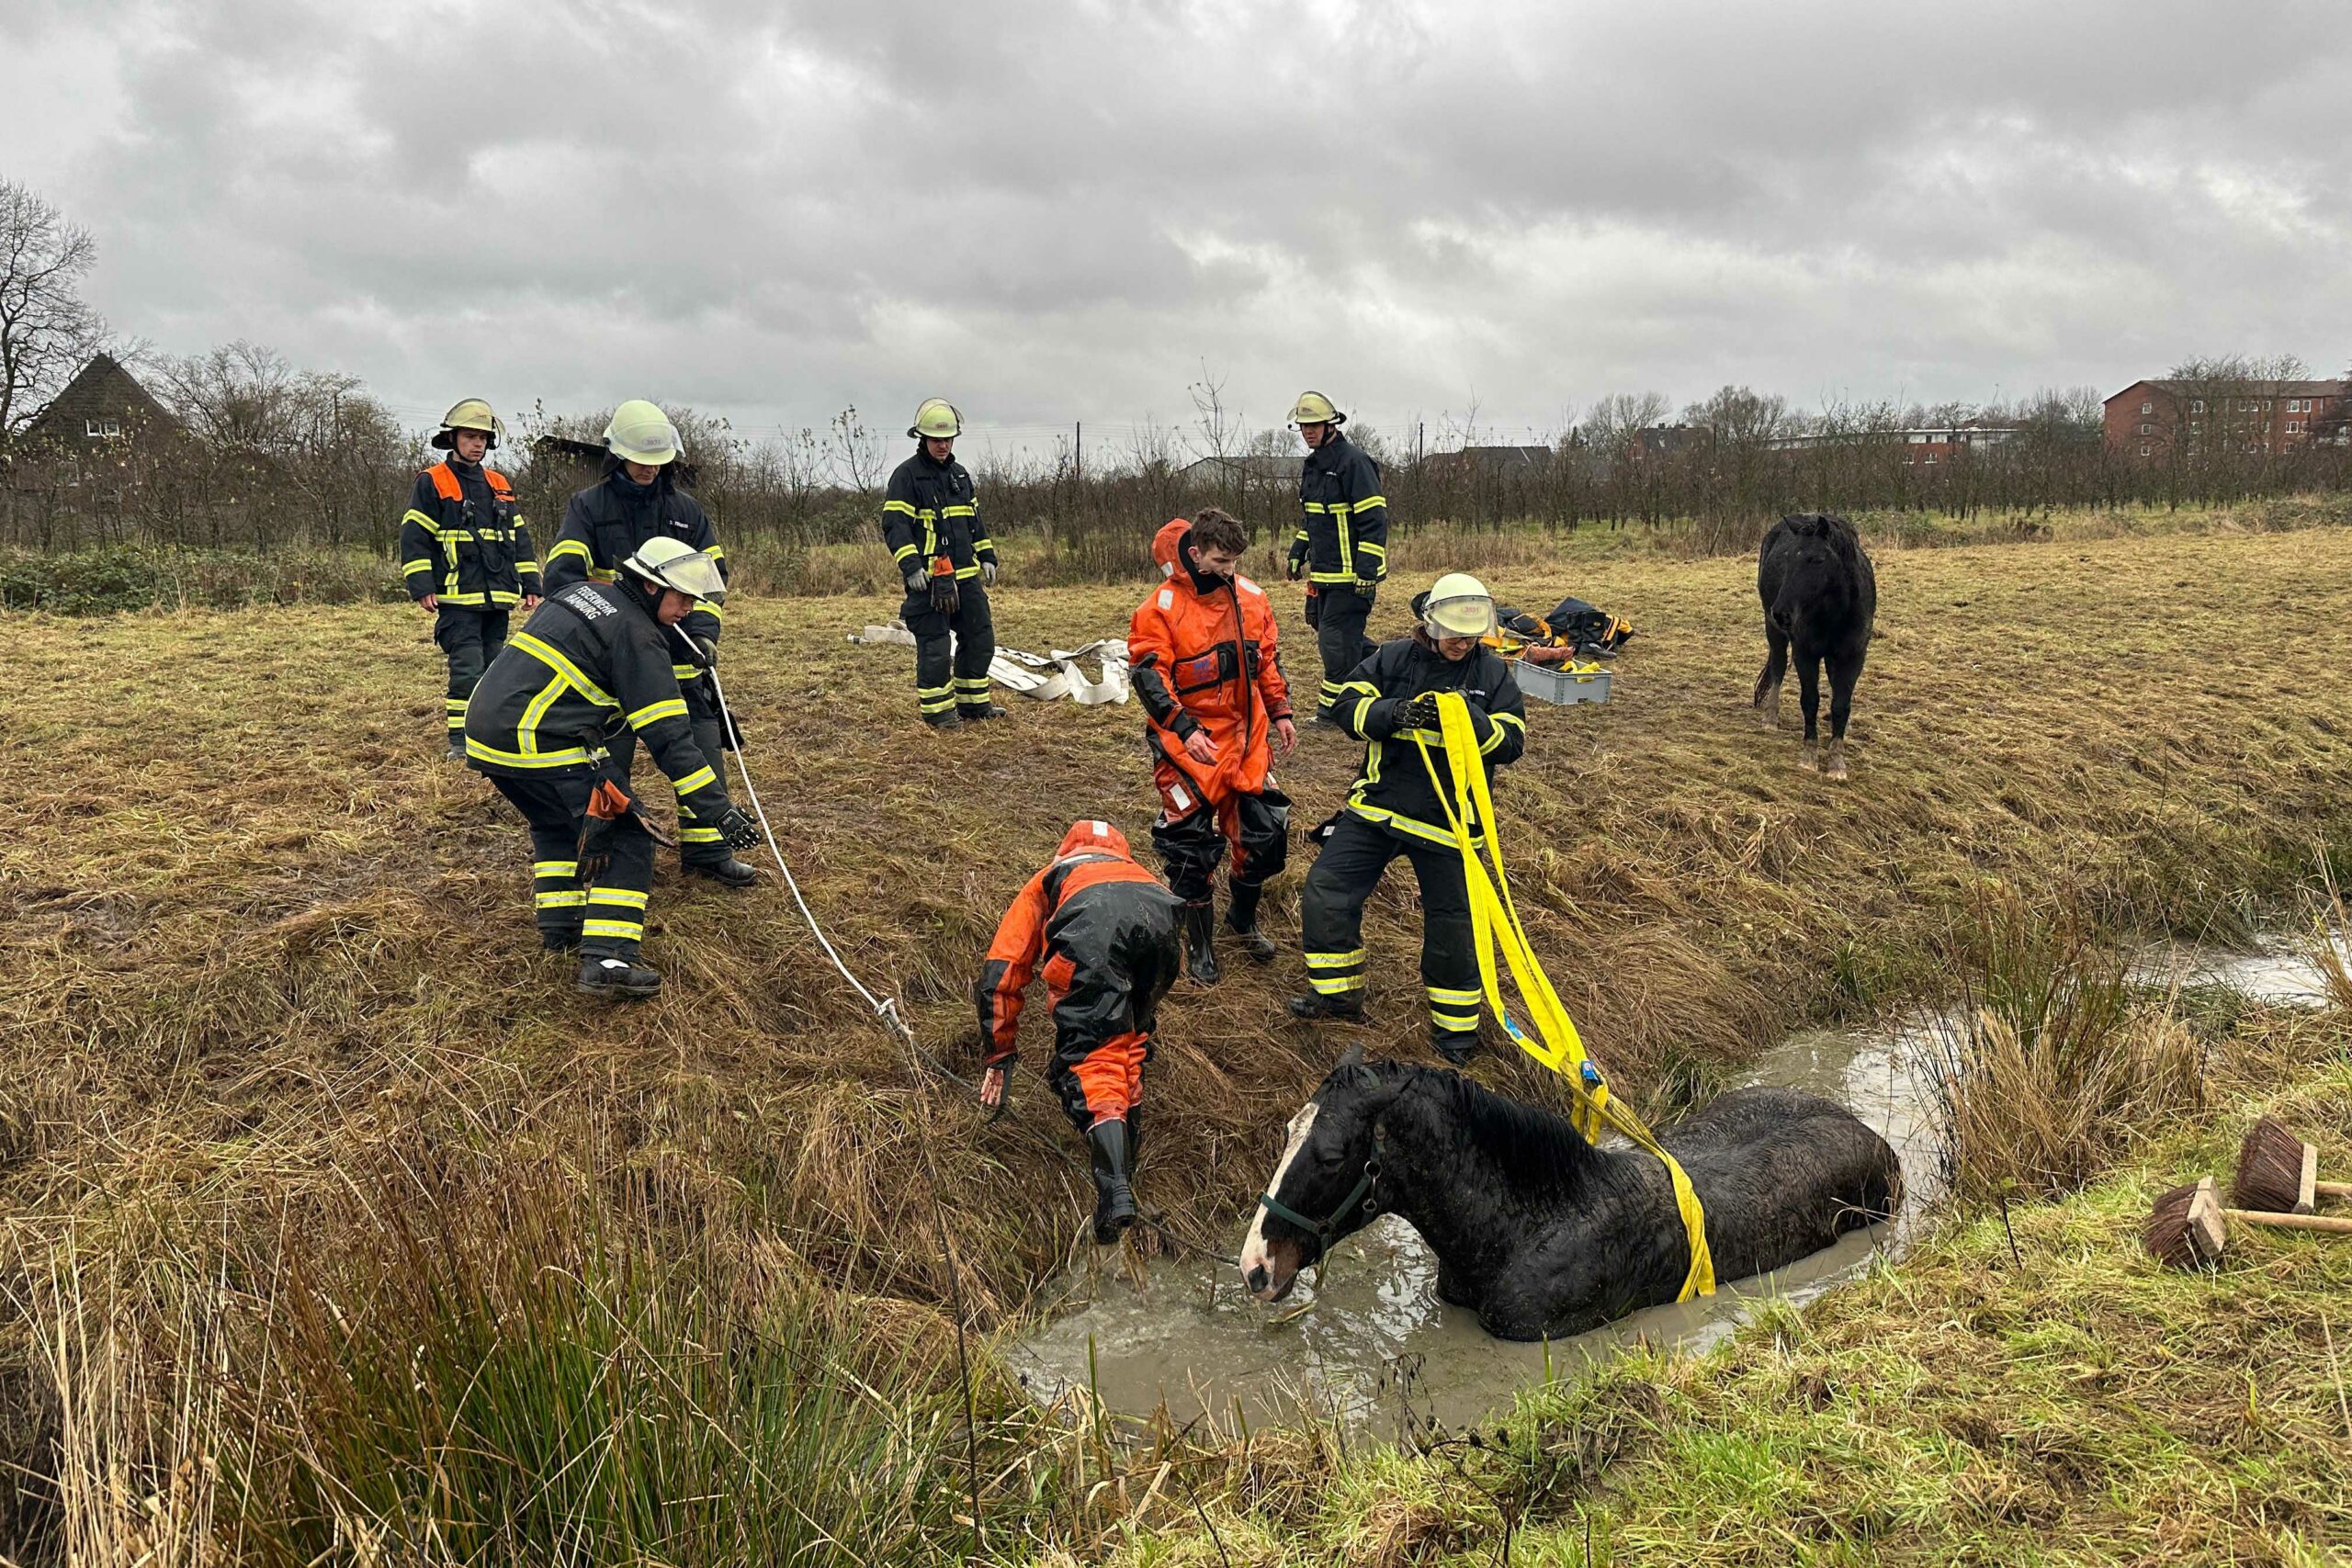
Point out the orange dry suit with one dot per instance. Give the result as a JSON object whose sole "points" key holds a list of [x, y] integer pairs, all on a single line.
{"points": [[1204, 656], [1106, 931]]}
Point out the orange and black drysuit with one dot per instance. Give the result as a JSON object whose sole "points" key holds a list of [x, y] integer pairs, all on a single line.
{"points": [[464, 544], [1105, 931], [1204, 654]]}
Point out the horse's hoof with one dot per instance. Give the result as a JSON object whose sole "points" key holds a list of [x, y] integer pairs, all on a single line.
{"points": [[1837, 768], [1808, 761]]}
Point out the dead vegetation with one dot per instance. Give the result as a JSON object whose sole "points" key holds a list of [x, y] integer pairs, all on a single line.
{"points": [[264, 939]]}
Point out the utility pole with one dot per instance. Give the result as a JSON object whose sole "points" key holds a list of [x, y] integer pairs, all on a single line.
{"points": [[1078, 447]]}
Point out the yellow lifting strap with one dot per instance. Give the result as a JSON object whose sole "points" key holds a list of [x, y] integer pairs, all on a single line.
{"points": [[1495, 919]]}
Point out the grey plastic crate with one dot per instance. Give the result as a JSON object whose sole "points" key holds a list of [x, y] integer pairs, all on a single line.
{"points": [[1563, 686]]}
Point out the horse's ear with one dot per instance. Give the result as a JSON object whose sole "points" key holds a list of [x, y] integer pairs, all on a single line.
{"points": [[1354, 1069]]}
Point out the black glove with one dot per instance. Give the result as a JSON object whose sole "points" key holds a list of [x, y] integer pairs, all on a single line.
{"points": [[1418, 713], [709, 647], [944, 596], [596, 849], [1313, 608], [738, 827]]}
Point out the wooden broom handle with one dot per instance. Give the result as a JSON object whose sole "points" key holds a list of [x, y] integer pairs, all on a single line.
{"points": [[2332, 1189], [2341, 1224]]}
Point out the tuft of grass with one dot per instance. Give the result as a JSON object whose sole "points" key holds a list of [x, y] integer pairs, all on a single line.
{"points": [[2049, 1069]]}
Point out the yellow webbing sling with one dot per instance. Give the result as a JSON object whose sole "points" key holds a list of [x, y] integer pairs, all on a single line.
{"points": [[1495, 918]]}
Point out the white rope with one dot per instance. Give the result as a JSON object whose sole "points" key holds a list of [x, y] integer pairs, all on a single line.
{"points": [[885, 1007]]}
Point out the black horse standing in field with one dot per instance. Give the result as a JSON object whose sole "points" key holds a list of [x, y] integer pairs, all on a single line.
{"points": [[1819, 596], [1539, 1231]]}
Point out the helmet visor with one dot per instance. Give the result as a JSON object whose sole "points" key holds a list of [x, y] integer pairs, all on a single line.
{"points": [[1466, 615], [697, 575]]}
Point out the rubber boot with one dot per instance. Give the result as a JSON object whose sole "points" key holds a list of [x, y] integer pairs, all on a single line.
{"points": [[1347, 1007], [1114, 1198], [978, 715], [560, 942], [456, 752], [1134, 1133], [728, 873], [1457, 1046], [1241, 919], [943, 721], [603, 975], [1200, 941]]}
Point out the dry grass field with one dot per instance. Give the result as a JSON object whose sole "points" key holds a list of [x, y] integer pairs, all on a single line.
{"points": [[269, 954]]}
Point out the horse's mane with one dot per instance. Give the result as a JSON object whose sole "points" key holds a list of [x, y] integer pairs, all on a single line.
{"points": [[1527, 1141], [1827, 526]]}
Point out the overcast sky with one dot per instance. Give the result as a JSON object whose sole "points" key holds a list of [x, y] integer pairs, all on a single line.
{"points": [[1056, 211]]}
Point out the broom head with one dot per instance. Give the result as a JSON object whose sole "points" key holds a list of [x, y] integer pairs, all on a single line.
{"points": [[2185, 1228], [2276, 1171]]}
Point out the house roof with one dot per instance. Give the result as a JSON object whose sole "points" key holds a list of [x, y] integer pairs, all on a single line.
{"points": [[2253, 386], [102, 388]]}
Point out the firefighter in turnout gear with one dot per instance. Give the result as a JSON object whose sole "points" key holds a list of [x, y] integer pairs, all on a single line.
{"points": [[466, 554], [588, 676], [639, 501], [931, 524], [1105, 930], [1217, 710], [1342, 542], [1394, 808]]}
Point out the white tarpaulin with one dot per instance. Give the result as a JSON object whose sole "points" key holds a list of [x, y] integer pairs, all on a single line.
{"points": [[1040, 678]]}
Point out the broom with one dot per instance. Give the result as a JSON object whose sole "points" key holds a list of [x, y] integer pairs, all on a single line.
{"points": [[2279, 1172], [2189, 1228]]}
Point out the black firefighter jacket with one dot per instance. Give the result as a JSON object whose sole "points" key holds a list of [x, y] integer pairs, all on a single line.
{"points": [[1395, 789], [930, 510], [463, 538], [606, 523], [591, 663], [1343, 518]]}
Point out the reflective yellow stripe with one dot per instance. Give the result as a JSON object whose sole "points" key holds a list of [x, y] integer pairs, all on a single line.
{"points": [[569, 547], [569, 757], [654, 713], [410, 568], [633, 930], [554, 867], [959, 512], [1403, 824], [1380, 550], [530, 566], [898, 506], [686, 671], [1335, 988], [558, 662], [714, 552], [987, 545], [572, 899], [699, 835], [1370, 502], [621, 898], [527, 733], [1329, 578], [1336, 960], [903, 551], [701, 778]]}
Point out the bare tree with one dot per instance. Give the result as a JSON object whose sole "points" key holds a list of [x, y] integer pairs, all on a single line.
{"points": [[47, 332], [1220, 427], [858, 453]]}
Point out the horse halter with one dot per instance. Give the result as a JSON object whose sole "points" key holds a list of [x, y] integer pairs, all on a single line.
{"points": [[1327, 1232]]}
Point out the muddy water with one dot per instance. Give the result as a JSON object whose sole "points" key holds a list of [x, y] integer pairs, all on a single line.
{"points": [[1370, 1339]]}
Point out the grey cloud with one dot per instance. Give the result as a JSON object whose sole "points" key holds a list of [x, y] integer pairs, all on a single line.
{"points": [[1058, 211]]}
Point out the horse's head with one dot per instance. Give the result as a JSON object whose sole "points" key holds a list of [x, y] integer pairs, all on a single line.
{"points": [[1322, 1189]]}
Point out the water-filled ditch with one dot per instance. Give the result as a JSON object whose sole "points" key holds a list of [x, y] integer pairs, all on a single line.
{"points": [[1369, 1339]]}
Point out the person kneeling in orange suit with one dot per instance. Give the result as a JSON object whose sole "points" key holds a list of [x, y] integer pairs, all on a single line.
{"points": [[1105, 929], [1207, 664]]}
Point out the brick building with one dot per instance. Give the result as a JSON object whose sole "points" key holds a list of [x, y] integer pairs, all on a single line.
{"points": [[2154, 421]]}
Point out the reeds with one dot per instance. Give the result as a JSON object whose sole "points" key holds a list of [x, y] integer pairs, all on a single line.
{"points": [[2052, 1066]]}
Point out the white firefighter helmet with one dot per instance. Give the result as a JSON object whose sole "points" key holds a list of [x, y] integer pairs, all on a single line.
{"points": [[639, 432], [1458, 605], [673, 563]]}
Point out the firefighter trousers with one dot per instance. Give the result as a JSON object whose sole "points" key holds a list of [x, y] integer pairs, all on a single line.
{"points": [[946, 680], [1193, 835], [1330, 919], [698, 842], [1339, 619], [1102, 1021], [469, 639], [608, 916]]}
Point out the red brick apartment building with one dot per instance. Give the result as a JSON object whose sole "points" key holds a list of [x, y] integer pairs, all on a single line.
{"points": [[2154, 420]]}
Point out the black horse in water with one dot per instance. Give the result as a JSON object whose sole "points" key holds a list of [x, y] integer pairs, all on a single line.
{"points": [[1820, 596], [1539, 1231]]}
